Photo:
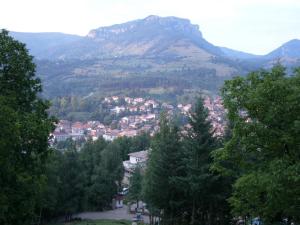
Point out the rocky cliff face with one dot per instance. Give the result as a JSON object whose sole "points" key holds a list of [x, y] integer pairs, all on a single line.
{"points": [[153, 36], [148, 27]]}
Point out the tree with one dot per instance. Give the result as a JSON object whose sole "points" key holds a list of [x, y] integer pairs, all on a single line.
{"points": [[133, 144], [25, 128], [107, 176], [50, 200], [264, 111], [112, 162], [91, 158], [165, 166], [135, 189], [71, 190], [207, 191]]}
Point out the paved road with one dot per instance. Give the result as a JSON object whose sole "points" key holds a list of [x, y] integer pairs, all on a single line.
{"points": [[117, 214]]}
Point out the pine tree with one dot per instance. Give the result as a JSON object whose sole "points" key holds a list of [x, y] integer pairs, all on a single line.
{"points": [[207, 199], [161, 189]]}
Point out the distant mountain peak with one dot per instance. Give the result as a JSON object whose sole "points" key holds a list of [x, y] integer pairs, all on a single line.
{"points": [[154, 24], [167, 19], [293, 41], [152, 17], [150, 36], [290, 49]]}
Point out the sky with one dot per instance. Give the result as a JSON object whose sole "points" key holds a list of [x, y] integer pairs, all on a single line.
{"points": [[254, 26]]}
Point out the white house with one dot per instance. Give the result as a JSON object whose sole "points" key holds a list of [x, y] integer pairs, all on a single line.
{"points": [[118, 109], [60, 136], [138, 157], [135, 159]]}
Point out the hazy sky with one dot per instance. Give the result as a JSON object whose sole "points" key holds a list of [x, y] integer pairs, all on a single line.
{"points": [[255, 26]]}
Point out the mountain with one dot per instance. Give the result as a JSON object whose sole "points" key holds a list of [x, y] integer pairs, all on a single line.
{"points": [[40, 43], [290, 49], [234, 54], [152, 36], [287, 54], [155, 56]]}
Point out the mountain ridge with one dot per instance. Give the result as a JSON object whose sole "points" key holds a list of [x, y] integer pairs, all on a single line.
{"points": [[170, 24], [144, 37], [287, 49], [39, 42], [149, 54]]}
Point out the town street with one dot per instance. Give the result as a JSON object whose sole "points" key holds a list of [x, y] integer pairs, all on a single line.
{"points": [[117, 214]]}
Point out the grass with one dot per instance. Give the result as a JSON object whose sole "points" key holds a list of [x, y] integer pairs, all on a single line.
{"points": [[97, 222]]}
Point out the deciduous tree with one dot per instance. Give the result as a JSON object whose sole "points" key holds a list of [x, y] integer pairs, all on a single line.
{"points": [[264, 110], [24, 133]]}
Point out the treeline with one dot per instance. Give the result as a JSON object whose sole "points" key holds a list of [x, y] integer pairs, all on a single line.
{"points": [[83, 180], [76, 108], [86, 179], [253, 172], [81, 77]]}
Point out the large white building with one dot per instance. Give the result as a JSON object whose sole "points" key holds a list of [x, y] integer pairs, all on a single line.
{"points": [[135, 159]]}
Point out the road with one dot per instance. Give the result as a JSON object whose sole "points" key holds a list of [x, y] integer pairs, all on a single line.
{"points": [[117, 214]]}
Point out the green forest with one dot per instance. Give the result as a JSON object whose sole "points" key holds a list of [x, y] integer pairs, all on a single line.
{"points": [[192, 177]]}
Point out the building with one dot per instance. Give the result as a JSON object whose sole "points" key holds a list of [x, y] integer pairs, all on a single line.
{"points": [[138, 157], [118, 109], [60, 136], [111, 135], [77, 129], [135, 159], [117, 201]]}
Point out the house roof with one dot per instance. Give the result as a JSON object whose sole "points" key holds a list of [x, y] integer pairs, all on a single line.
{"points": [[141, 154], [77, 125]]}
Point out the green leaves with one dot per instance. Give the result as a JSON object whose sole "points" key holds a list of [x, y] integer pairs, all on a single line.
{"points": [[24, 132], [135, 189], [264, 111], [178, 179], [164, 167]]}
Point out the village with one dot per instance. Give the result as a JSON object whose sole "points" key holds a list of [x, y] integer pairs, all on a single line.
{"points": [[142, 116]]}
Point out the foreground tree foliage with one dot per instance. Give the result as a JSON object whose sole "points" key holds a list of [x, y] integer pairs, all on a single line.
{"points": [[82, 180], [207, 191], [135, 181], [24, 131], [165, 167], [263, 152], [179, 186]]}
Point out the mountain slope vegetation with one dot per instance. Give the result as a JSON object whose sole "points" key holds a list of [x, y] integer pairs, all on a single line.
{"points": [[145, 54]]}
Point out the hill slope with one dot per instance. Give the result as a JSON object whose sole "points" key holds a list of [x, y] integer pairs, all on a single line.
{"points": [[40, 43], [150, 54], [152, 36], [290, 49], [287, 54], [147, 54], [234, 54]]}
